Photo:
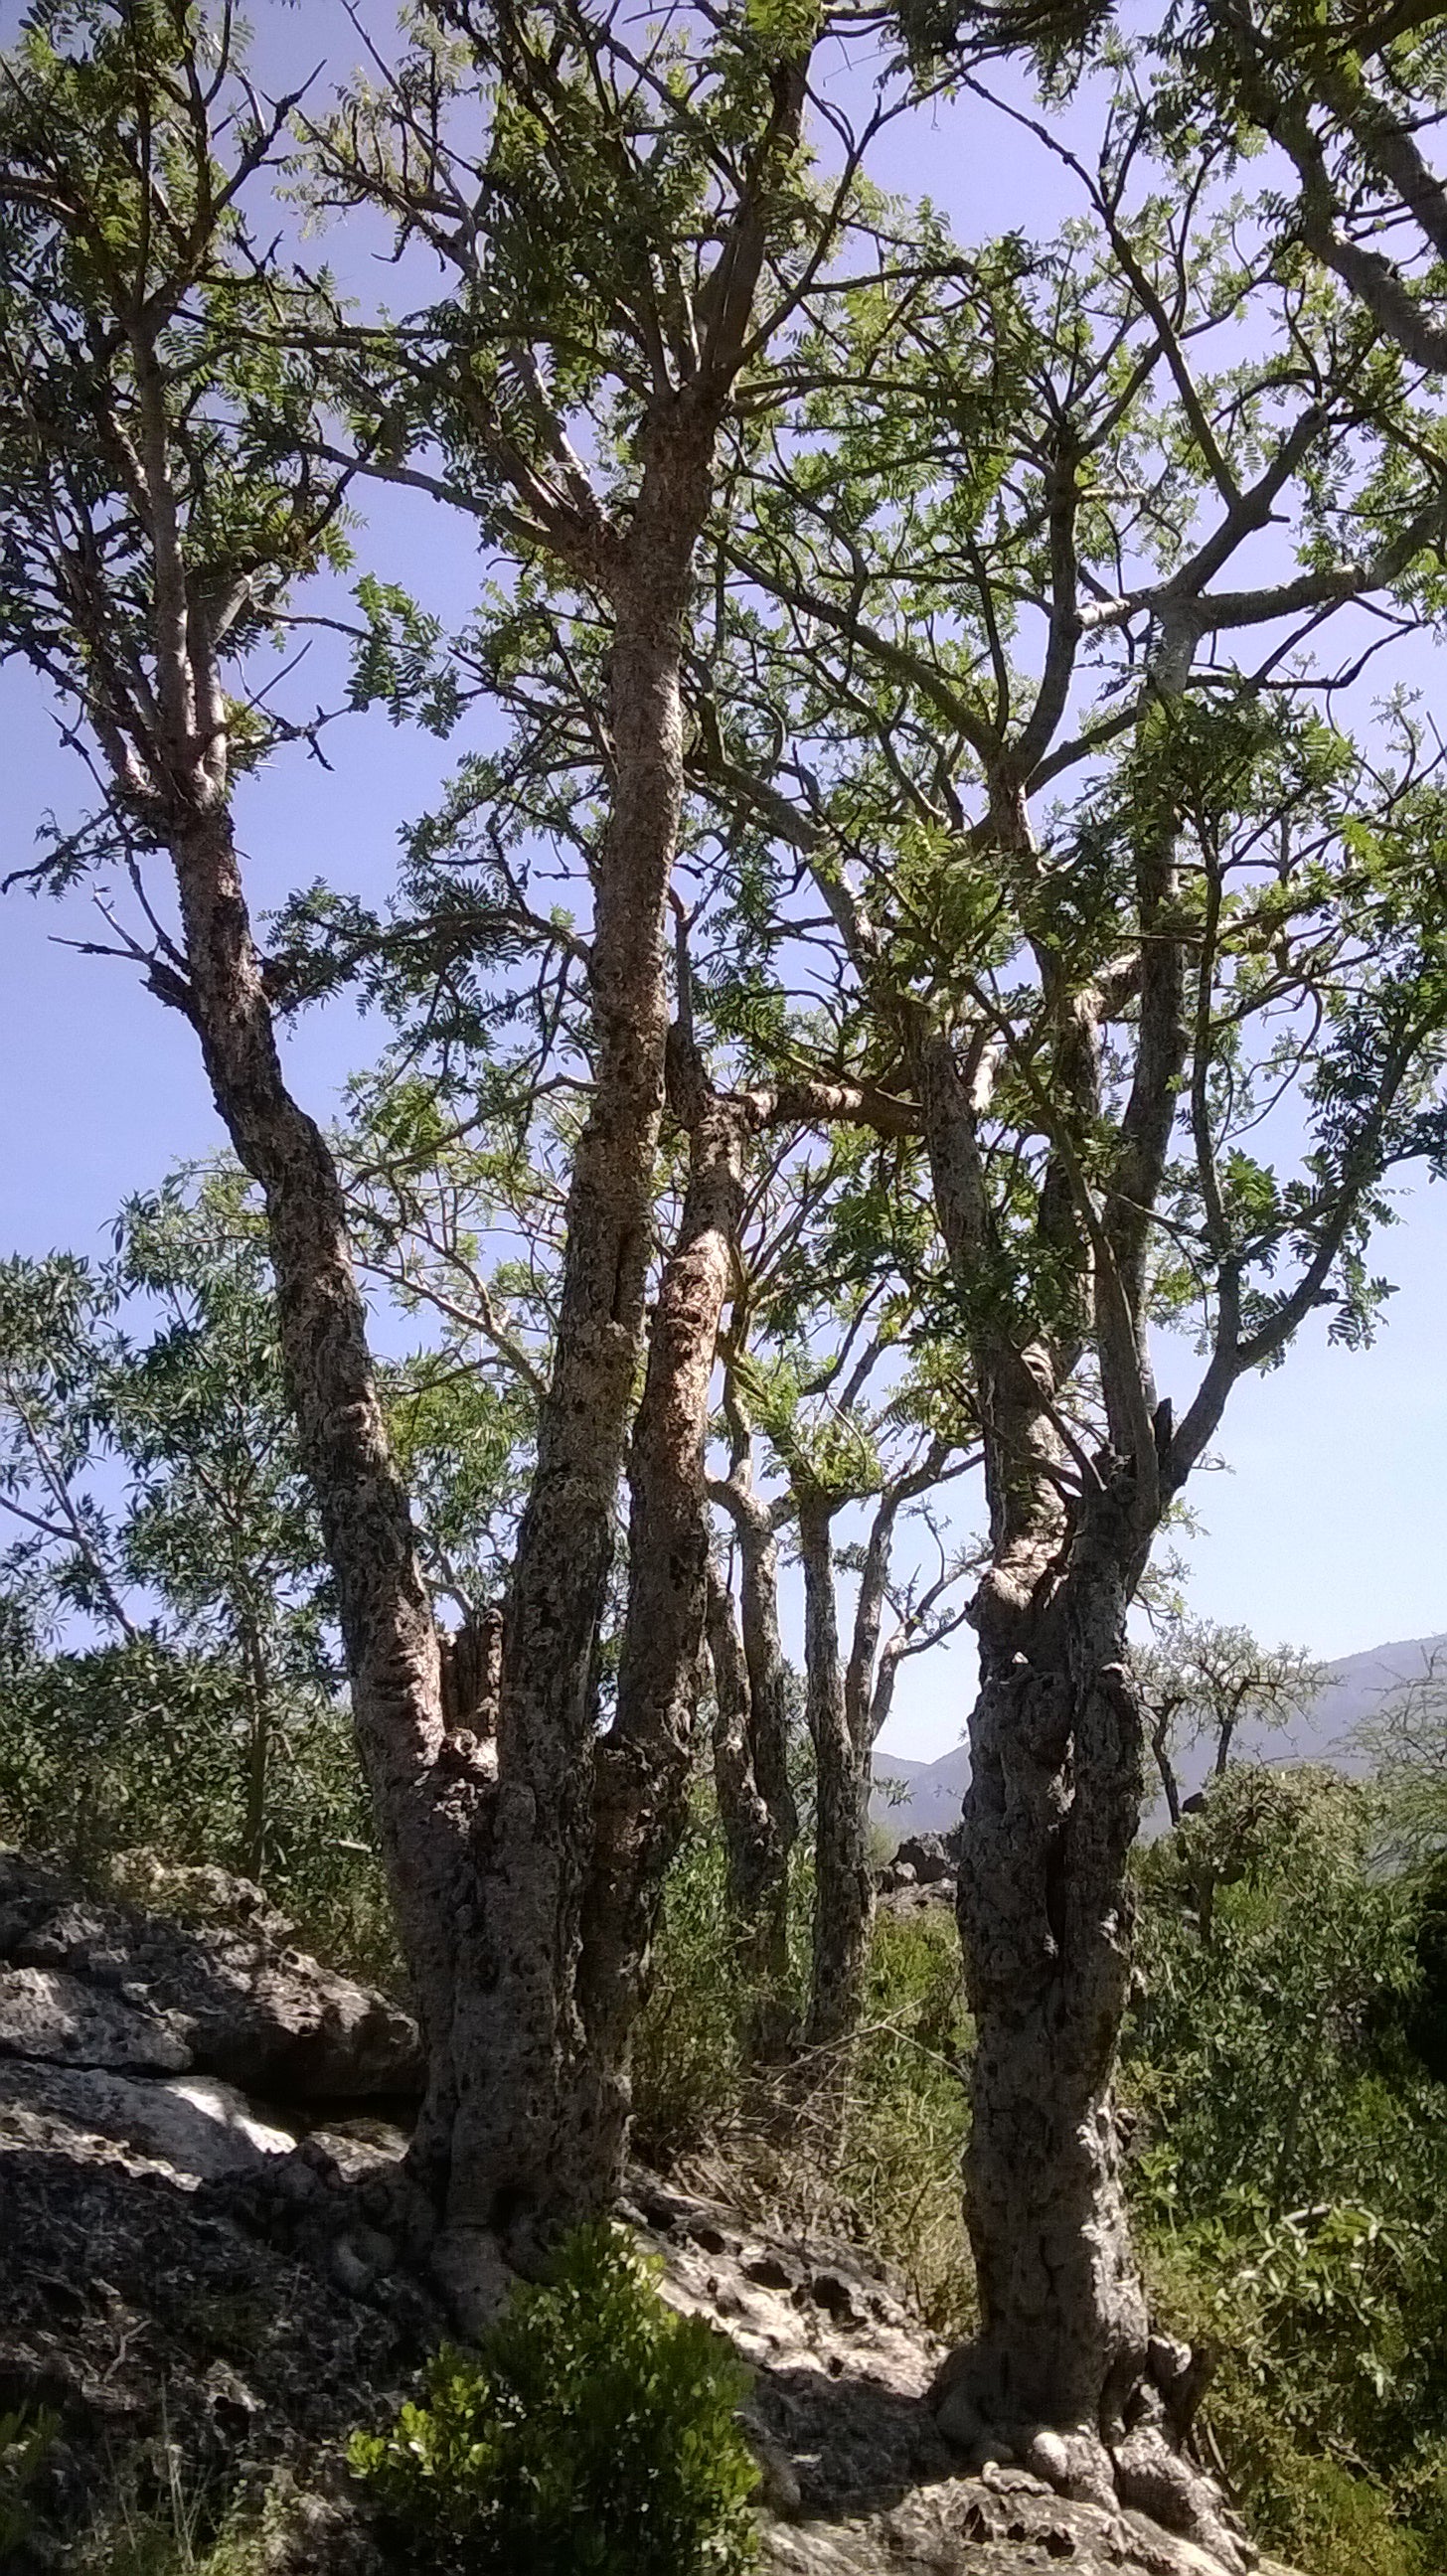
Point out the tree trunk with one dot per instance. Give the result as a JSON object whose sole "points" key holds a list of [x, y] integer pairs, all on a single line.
{"points": [[769, 1687], [1052, 1809], [1160, 1747], [1064, 2365], [843, 1881], [255, 1834], [643, 1762], [472, 1674], [767, 1701], [385, 1615], [520, 2037], [758, 1884]]}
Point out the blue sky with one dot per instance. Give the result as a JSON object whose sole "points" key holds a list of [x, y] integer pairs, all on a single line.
{"points": [[1324, 1526]]}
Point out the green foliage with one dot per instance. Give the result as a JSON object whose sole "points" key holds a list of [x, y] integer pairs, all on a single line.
{"points": [[690, 2055], [25, 2441], [1289, 2173], [137, 1747], [187, 2528], [1267, 1953], [863, 2141], [592, 2434], [906, 2116]]}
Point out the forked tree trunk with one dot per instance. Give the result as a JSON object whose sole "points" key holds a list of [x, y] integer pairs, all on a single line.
{"points": [[643, 1763], [518, 2036]]}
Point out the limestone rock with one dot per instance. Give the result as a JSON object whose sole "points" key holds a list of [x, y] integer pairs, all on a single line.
{"points": [[1002, 2524], [46, 2013], [190, 2125], [226, 1998], [199, 1892], [920, 1875]]}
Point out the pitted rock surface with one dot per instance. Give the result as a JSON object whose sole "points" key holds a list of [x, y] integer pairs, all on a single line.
{"points": [[857, 2476], [97, 1982], [49, 2014], [185, 2273], [1006, 2525]]}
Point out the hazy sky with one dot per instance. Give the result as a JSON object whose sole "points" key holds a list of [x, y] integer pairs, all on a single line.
{"points": [[1325, 1526]]}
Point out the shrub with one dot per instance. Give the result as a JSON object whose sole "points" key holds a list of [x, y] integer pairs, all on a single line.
{"points": [[591, 2434], [1289, 2176], [139, 1746], [690, 2054], [25, 2444]]}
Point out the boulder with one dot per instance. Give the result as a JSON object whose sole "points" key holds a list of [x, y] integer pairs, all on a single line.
{"points": [[928, 1855], [198, 1892], [94, 1981], [189, 2126], [46, 2013]]}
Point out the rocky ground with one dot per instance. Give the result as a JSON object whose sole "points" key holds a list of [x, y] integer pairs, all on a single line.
{"points": [[214, 2265]]}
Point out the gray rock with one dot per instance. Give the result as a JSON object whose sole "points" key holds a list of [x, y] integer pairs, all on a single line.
{"points": [[1004, 2523], [190, 2124], [928, 1855], [227, 1998], [49, 2014]]}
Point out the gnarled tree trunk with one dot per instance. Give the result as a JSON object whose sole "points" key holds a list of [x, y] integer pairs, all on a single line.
{"points": [[1050, 1815]]}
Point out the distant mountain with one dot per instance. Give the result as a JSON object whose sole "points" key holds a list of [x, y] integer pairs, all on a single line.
{"points": [[1355, 1689], [934, 1792]]}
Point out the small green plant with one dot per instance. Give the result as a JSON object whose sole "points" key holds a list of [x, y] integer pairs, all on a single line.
{"points": [[25, 2440], [591, 2434]]}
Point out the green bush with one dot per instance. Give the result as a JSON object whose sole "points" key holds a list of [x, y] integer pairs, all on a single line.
{"points": [[25, 2443], [142, 1747], [1289, 2174], [592, 2434], [690, 2054]]}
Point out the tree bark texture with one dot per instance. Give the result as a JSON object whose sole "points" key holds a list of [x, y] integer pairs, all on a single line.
{"points": [[1051, 1812], [642, 1764], [571, 1847], [1050, 1815], [757, 1864], [520, 2035], [843, 1880], [472, 1673], [384, 1611], [768, 1677], [1064, 2363], [762, 1695]]}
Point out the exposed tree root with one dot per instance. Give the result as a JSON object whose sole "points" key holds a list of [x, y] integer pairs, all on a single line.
{"points": [[1139, 2465]]}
